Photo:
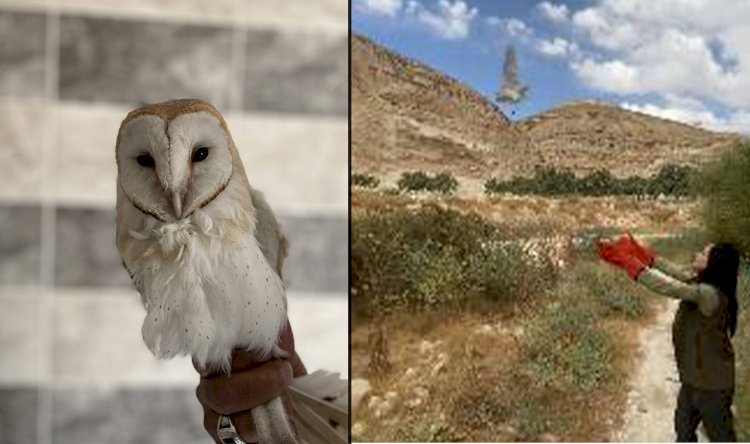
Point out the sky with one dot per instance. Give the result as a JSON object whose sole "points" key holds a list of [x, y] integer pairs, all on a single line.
{"points": [[686, 60]]}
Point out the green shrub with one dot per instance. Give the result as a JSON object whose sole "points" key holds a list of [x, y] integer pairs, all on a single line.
{"points": [[671, 180], [437, 258], [613, 290], [725, 185], [365, 180], [565, 349], [420, 181]]}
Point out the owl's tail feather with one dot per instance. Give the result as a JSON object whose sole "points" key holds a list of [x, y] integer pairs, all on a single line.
{"points": [[321, 407], [272, 424]]}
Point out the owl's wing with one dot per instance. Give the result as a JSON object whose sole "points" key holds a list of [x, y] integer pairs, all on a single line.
{"points": [[272, 242]]}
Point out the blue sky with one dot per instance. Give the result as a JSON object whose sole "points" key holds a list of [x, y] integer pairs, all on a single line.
{"points": [[687, 60]]}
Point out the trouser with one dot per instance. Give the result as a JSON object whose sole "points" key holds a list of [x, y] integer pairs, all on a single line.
{"points": [[713, 407]]}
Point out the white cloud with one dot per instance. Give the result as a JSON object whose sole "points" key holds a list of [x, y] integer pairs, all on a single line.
{"points": [[388, 8], [517, 28], [690, 48], [614, 75], [451, 19], [554, 13], [557, 47], [737, 121]]}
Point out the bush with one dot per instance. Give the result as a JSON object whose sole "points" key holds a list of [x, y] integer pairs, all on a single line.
{"points": [[565, 349], [725, 185], [365, 180], [437, 258], [420, 181], [613, 291], [672, 180]]}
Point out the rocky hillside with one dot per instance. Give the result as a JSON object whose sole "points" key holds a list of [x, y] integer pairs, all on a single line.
{"points": [[407, 116], [584, 136]]}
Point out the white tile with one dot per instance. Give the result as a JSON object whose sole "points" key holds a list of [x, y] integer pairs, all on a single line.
{"points": [[19, 339], [22, 126], [329, 14], [301, 164], [320, 322], [296, 13], [86, 167], [97, 341], [211, 11]]}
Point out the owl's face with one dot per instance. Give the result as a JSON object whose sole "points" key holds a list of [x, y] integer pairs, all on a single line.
{"points": [[171, 163]]}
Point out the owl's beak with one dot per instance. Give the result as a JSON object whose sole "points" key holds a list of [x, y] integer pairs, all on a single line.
{"points": [[177, 204]]}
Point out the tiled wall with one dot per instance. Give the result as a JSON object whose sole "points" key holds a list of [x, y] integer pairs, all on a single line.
{"points": [[73, 367]]}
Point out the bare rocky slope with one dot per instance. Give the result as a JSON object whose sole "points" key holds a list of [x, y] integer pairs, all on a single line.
{"points": [[407, 116]]}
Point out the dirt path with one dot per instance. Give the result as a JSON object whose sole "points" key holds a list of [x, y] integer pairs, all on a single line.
{"points": [[649, 415]]}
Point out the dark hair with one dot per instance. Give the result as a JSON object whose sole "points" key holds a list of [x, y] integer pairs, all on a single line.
{"points": [[721, 272]]}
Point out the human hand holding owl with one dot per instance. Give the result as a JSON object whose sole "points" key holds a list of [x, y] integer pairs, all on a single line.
{"points": [[251, 384]]}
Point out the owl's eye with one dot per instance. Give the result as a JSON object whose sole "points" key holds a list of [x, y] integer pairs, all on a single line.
{"points": [[145, 160], [200, 154]]}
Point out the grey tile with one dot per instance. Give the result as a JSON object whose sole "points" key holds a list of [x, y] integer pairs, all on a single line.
{"points": [[86, 253], [85, 250], [20, 247], [22, 41], [134, 62], [299, 72], [18, 415], [318, 253], [127, 416]]}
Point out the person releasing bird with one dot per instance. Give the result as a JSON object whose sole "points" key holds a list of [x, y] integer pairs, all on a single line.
{"points": [[201, 246]]}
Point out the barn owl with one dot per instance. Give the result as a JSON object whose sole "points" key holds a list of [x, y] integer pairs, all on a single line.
{"points": [[202, 247]]}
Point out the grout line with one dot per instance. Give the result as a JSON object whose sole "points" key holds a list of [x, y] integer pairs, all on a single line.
{"points": [[47, 240]]}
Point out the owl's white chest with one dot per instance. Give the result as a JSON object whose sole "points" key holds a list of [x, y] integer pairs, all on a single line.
{"points": [[208, 291]]}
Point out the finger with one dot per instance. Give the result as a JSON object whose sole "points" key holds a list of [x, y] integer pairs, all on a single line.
{"points": [[245, 390], [298, 368], [210, 423], [243, 423]]}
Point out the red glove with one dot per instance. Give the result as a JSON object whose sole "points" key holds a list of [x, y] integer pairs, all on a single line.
{"points": [[619, 253], [645, 255]]}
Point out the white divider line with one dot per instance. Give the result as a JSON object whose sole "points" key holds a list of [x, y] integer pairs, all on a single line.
{"points": [[47, 238]]}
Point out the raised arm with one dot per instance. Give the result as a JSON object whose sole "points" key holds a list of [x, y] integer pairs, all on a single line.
{"points": [[706, 296], [678, 272]]}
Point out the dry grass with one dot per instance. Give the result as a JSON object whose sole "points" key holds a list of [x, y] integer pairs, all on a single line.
{"points": [[568, 215], [494, 387]]}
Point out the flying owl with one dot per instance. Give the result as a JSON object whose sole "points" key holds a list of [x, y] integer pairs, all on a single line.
{"points": [[201, 246]]}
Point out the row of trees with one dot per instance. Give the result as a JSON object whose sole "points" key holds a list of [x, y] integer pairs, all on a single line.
{"points": [[671, 180]]}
